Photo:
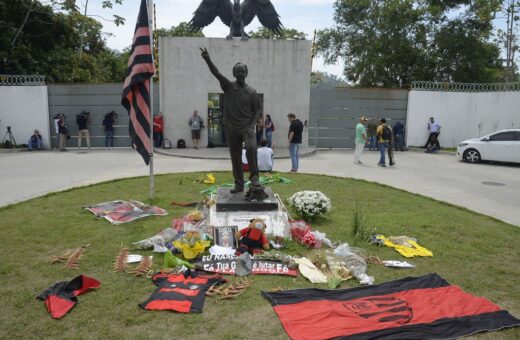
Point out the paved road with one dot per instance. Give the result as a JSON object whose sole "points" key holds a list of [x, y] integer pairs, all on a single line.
{"points": [[30, 174]]}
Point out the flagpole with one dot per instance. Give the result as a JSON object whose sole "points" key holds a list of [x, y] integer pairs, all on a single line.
{"points": [[150, 26]]}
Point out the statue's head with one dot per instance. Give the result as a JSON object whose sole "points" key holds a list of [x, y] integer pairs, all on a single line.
{"points": [[240, 72], [237, 2]]}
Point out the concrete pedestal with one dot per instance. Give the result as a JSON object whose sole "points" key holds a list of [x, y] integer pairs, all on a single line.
{"points": [[227, 201], [234, 210]]}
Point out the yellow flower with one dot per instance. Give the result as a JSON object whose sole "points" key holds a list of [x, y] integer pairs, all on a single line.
{"points": [[191, 252]]}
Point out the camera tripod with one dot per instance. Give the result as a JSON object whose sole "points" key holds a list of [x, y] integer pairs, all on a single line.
{"points": [[9, 135]]}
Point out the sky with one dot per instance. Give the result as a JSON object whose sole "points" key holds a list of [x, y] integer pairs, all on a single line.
{"points": [[302, 15]]}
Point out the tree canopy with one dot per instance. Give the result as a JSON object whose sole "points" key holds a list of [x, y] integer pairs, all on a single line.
{"points": [[391, 43], [181, 30], [324, 79], [286, 34], [57, 41]]}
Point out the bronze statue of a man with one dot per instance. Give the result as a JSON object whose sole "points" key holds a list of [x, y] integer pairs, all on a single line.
{"points": [[242, 109]]}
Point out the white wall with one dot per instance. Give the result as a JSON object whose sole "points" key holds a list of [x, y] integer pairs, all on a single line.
{"points": [[461, 115], [24, 108], [280, 69]]}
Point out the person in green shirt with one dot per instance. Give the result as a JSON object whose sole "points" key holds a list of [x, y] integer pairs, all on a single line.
{"points": [[361, 139]]}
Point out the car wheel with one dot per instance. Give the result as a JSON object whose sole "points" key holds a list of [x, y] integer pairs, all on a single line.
{"points": [[471, 156]]}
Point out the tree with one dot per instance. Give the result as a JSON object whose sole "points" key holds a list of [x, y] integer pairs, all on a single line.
{"points": [[391, 43], [325, 79], [509, 38], [47, 42], [181, 30], [286, 34]]}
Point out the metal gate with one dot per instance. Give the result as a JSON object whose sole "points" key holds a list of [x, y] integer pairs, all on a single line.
{"points": [[71, 99], [334, 112]]}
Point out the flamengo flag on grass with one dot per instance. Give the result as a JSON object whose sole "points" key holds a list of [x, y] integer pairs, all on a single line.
{"points": [[136, 90], [426, 307]]}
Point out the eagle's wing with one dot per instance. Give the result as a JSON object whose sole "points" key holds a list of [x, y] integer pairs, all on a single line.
{"points": [[208, 10], [265, 11]]}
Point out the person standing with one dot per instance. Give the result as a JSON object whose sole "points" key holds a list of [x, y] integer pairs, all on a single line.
{"points": [[158, 128], [371, 134], [294, 140], [435, 129], [398, 131], [384, 137], [361, 139], [82, 120], [62, 130], [259, 130], [108, 124], [196, 125], [269, 129]]}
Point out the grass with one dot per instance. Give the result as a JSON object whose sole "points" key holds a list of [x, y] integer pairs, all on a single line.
{"points": [[476, 252]]}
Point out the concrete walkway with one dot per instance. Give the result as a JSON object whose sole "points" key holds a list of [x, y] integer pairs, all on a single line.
{"points": [[26, 175]]}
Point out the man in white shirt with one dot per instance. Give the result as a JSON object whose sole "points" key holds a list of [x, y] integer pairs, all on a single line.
{"points": [[435, 129], [265, 157]]}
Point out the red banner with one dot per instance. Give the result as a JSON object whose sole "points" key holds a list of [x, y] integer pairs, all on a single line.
{"points": [[226, 264]]}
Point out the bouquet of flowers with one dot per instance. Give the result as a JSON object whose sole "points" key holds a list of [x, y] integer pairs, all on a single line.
{"points": [[310, 204], [191, 245], [310, 240]]}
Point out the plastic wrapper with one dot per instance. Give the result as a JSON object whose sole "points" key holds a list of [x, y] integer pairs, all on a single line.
{"points": [[322, 238], [171, 261], [355, 263], [337, 267], [403, 240], [163, 237]]}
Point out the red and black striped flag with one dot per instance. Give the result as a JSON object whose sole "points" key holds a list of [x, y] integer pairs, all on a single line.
{"points": [[136, 90], [426, 307]]}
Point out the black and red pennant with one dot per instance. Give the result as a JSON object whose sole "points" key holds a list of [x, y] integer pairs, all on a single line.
{"points": [[62, 296], [426, 307]]}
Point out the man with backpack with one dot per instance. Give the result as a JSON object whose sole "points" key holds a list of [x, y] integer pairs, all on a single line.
{"points": [[384, 137], [196, 125]]}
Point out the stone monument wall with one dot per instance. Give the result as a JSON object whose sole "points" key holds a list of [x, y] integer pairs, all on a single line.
{"points": [[278, 69]]}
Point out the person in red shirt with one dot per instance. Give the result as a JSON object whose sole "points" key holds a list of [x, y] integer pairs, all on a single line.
{"points": [[158, 127], [252, 239]]}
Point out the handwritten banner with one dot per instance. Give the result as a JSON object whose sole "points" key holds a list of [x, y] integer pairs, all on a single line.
{"points": [[226, 264]]}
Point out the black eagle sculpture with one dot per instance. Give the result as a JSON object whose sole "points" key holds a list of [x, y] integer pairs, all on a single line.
{"points": [[236, 15]]}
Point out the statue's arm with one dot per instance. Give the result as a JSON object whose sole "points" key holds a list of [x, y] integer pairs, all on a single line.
{"points": [[213, 69]]}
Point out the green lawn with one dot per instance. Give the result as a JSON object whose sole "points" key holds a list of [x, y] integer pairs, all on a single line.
{"points": [[478, 253]]}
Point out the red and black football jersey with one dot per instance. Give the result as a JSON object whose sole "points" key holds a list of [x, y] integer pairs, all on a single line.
{"points": [[62, 296], [182, 292]]}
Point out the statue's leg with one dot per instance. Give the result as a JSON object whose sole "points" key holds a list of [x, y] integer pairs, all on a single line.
{"points": [[234, 140], [232, 30], [251, 154], [243, 33]]}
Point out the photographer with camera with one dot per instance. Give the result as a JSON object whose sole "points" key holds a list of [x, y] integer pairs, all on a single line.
{"points": [[82, 120], [108, 123]]}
